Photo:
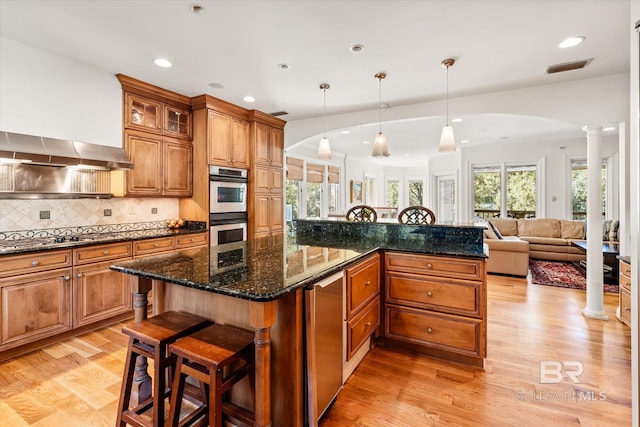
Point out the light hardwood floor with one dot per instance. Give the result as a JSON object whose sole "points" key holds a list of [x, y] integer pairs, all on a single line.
{"points": [[77, 382]]}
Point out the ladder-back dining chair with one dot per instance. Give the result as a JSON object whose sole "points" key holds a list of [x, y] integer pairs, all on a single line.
{"points": [[362, 213], [416, 215]]}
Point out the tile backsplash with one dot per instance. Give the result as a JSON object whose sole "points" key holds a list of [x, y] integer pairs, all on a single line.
{"points": [[25, 214]]}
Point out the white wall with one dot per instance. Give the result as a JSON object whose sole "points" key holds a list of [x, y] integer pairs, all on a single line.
{"points": [[48, 95]]}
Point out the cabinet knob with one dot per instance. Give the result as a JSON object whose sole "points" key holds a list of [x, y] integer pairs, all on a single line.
{"points": [[79, 275], [67, 278], [367, 283], [193, 239], [105, 253], [35, 263], [429, 294], [368, 324], [429, 266], [155, 245], [429, 330]]}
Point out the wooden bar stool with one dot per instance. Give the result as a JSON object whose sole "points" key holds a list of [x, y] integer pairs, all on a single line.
{"points": [[218, 356], [151, 338]]}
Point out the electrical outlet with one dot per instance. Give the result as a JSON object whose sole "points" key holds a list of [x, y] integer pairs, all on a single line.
{"points": [[154, 210], [45, 214], [107, 212]]}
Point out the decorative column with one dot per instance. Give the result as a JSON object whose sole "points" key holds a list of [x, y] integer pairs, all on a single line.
{"points": [[594, 308]]}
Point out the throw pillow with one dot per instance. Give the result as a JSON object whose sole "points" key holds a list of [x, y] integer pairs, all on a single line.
{"points": [[495, 231], [613, 230]]}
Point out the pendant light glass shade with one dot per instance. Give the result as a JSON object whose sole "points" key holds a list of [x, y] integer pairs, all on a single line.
{"points": [[380, 148], [447, 142], [324, 149]]}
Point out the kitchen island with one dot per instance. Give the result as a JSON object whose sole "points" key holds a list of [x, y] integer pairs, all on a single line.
{"points": [[257, 285]]}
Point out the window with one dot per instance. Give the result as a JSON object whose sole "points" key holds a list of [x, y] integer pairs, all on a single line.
{"points": [[487, 193], [579, 188], [369, 190], [446, 199], [416, 192], [391, 193], [315, 176], [521, 191], [506, 190], [292, 191], [333, 179]]}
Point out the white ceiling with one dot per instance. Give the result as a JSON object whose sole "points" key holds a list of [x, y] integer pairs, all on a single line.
{"points": [[497, 45]]}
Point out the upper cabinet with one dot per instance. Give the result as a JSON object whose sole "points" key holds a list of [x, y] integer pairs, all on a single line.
{"points": [[269, 145], [227, 140], [157, 135]]}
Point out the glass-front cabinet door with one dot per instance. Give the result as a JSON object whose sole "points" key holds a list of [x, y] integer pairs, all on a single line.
{"points": [[143, 114], [177, 122]]}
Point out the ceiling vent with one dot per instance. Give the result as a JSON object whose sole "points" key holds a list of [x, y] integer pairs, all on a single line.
{"points": [[568, 66], [279, 113]]}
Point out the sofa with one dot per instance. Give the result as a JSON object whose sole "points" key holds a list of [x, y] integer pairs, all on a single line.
{"points": [[512, 242]]}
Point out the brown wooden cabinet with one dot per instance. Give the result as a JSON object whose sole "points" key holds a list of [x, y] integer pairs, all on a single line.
{"points": [[157, 139], [227, 140], [436, 305], [624, 307]]}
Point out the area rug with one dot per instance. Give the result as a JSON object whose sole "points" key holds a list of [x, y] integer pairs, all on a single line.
{"points": [[560, 274]]}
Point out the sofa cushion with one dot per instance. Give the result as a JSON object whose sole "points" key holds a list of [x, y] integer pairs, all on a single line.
{"points": [[509, 243], [571, 229], [551, 241], [540, 227], [506, 226]]}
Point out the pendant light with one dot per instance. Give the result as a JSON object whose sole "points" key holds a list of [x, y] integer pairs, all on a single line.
{"points": [[447, 142], [380, 148], [324, 149]]}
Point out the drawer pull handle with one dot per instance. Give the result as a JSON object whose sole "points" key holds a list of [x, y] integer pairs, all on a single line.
{"points": [[79, 275], [627, 309], [105, 253], [367, 283], [429, 330], [35, 263], [429, 294], [429, 266], [368, 324], [67, 278]]}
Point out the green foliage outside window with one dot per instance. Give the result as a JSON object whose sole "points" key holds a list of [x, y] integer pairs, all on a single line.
{"points": [[486, 184], [579, 188], [392, 193], [415, 193], [521, 189], [313, 199]]}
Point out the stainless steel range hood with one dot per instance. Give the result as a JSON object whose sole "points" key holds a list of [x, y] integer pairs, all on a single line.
{"points": [[59, 152]]}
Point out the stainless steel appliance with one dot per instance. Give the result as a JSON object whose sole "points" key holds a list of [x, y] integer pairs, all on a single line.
{"points": [[227, 230], [229, 257], [227, 190], [324, 344]]}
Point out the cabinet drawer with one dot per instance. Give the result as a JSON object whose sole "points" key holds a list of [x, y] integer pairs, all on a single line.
{"points": [[102, 253], [432, 293], [362, 326], [625, 306], [625, 281], [445, 331], [625, 269], [34, 262], [152, 246], [363, 283], [434, 266], [191, 240]]}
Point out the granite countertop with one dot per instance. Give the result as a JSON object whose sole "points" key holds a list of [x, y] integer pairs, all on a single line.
{"points": [[259, 269], [44, 240]]}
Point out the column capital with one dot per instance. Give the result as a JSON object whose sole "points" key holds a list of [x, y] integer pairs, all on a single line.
{"points": [[592, 129]]}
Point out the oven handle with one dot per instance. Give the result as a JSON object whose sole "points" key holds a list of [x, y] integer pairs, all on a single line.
{"points": [[222, 178]]}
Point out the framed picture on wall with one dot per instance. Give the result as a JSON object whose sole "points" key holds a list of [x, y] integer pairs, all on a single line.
{"points": [[356, 191]]}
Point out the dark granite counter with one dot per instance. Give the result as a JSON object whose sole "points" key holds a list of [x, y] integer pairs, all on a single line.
{"points": [[258, 270], [14, 243]]}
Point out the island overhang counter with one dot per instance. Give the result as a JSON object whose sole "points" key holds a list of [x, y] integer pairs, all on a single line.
{"points": [[255, 285]]}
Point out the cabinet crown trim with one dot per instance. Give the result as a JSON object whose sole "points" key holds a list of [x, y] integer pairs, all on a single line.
{"points": [[138, 87]]}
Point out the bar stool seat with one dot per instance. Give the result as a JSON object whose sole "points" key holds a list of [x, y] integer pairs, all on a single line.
{"points": [[150, 338], [218, 356]]}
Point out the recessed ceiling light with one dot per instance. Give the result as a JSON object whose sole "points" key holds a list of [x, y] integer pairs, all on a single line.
{"points": [[162, 62], [456, 120], [216, 85], [609, 128], [249, 98], [356, 48], [345, 132], [571, 42], [197, 8], [464, 141], [366, 142], [284, 66]]}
